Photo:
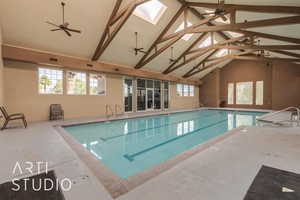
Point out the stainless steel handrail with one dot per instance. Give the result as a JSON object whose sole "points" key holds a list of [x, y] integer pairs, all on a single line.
{"points": [[117, 106], [107, 110], [263, 118]]}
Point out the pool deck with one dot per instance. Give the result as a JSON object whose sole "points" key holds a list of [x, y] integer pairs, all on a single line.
{"points": [[224, 170]]}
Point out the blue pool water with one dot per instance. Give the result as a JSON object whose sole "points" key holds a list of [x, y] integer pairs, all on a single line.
{"points": [[132, 145]]}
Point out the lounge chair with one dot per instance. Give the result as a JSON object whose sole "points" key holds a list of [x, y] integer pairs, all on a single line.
{"points": [[16, 116]]}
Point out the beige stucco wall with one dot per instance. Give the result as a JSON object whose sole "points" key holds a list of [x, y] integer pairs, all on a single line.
{"points": [[178, 102], [1, 71], [281, 83], [21, 93]]}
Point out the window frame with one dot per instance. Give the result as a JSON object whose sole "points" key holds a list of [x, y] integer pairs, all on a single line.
{"points": [[86, 82], [50, 68], [256, 92], [89, 84], [237, 95], [233, 96], [157, 18]]}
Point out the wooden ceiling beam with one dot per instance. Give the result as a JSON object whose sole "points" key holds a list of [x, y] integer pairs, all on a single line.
{"points": [[207, 67], [249, 8], [161, 35], [175, 37], [168, 70], [121, 17], [251, 24], [287, 53], [261, 47], [232, 40], [260, 58], [269, 36], [199, 64], [217, 61], [198, 14], [43, 58], [188, 29], [187, 61]]}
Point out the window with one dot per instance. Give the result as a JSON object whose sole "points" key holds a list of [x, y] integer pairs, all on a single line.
{"points": [[76, 83], [141, 94], [222, 52], [192, 90], [150, 11], [244, 93], [128, 93], [166, 95], [207, 42], [259, 93], [179, 90], [185, 90], [234, 34], [230, 94], [186, 37], [50, 81], [97, 84]]}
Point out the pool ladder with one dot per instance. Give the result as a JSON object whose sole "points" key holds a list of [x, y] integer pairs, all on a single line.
{"points": [[113, 111], [293, 117]]}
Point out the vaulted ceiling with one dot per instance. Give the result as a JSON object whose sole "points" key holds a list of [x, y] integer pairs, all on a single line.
{"points": [[23, 24]]}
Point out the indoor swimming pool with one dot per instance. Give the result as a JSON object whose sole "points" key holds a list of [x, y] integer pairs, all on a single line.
{"points": [[130, 146]]}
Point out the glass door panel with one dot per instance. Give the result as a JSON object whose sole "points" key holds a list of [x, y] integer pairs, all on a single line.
{"points": [[128, 92], [141, 99], [149, 99]]}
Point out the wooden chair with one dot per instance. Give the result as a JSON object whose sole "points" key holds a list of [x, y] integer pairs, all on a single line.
{"points": [[16, 116], [56, 112]]}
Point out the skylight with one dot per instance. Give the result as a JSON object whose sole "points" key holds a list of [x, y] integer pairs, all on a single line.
{"points": [[186, 37], [234, 34], [150, 11], [222, 52], [206, 42]]}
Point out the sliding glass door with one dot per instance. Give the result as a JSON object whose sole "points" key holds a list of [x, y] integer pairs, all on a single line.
{"points": [[166, 94], [148, 95], [128, 94], [141, 94]]}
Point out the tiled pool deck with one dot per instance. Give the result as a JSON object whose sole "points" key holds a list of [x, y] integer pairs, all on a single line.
{"points": [[221, 169]]}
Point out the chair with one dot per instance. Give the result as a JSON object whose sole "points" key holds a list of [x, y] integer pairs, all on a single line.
{"points": [[56, 112], [12, 117]]}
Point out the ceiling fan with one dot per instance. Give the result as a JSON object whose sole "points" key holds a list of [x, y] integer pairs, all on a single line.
{"points": [[220, 11], [171, 59], [65, 25], [137, 50], [262, 53]]}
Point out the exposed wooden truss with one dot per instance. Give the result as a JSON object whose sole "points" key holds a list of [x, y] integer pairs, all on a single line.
{"points": [[219, 60], [255, 47], [119, 18], [260, 58], [250, 24], [174, 37], [250, 8], [287, 53], [62, 61], [199, 64], [200, 52]]}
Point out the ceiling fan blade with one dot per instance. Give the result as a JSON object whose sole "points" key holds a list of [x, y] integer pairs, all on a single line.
{"points": [[208, 13], [57, 29], [73, 30], [52, 24], [223, 18], [67, 32]]}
